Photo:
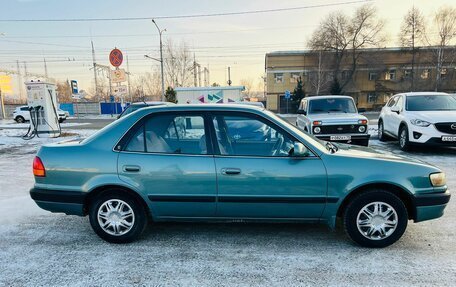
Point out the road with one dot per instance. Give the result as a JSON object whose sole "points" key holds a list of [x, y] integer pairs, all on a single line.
{"points": [[38, 248]]}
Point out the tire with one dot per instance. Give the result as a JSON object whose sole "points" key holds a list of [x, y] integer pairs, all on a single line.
{"points": [[128, 228], [61, 120], [369, 234], [381, 132], [20, 119], [403, 136]]}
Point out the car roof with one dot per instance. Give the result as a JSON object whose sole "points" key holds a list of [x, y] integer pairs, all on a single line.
{"points": [[327, 97], [206, 107], [411, 94], [151, 103]]}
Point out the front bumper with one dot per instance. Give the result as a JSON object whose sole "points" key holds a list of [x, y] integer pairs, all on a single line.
{"points": [[430, 206], [428, 136], [68, 202]]}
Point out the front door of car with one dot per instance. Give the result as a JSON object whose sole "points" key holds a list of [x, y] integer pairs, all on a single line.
{"points": [[396, 116], [257, 178], [167, 159]]}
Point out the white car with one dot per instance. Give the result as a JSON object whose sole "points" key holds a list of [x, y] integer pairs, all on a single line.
{"points": [[22, 114], [419, 118], [333, 118]]}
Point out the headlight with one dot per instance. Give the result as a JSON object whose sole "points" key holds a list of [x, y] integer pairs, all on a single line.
{"points": [[317, 130], [438, 179], [420, 123], [362, 129]]}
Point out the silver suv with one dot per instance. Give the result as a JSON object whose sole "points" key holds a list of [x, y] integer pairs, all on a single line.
{"points": [[333, 118]]}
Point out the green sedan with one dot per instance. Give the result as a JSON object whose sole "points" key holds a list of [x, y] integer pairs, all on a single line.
{"points": [[231, 162]]}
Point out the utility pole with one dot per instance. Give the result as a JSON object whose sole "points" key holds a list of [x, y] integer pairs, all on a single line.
{"points": [[199, 75], [19, 79], [195, 77], [94, 70], [161, 60], [25, 70], [3, 104], [229, 76], [128, 74], [45, 69]]}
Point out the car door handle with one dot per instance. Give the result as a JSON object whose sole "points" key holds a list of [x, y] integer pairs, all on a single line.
{"points": [[131, 168], [231, 171]]}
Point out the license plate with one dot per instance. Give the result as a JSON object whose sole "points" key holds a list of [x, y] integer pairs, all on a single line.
{"points": [[340, 138], [449, 138]]}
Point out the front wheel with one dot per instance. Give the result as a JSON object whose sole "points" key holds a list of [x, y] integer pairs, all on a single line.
{"points": [[376, 218], [404, 142], [117, 218], [20, 119]]}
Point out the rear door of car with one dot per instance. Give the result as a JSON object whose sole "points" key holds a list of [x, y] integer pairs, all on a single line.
{"points": [[396, 117], [167, 158], [258, 179], [387, 120]]}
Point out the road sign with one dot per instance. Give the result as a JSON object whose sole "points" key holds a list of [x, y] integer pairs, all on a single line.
{"points": [[76, 96], [74, 87], [116, 57], [5, 84], [287, 94], [111, 99], [118, 76], [120, 91]]}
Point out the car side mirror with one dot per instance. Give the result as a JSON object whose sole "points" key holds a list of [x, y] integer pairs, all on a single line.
{"points": [[301, 112], [395, 109], [361, 110], [299, 150]]}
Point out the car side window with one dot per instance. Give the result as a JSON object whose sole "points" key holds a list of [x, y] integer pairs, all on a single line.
{"points": [[170, 134], [24, 109], [249, 136], [399, 102], [392, 101]]}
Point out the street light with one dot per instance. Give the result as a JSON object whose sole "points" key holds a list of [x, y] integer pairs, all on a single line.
{"points": [[161, 59]]}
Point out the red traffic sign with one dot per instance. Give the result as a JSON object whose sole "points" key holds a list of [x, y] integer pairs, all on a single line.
{"points": [[116, 57]]}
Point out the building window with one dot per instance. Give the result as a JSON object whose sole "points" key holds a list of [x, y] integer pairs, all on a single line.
{"points": [[294, 77], [391, 75], [443, 73], [407, 73], [278, 78], [372, 76], [425, 74], [371, 98]]}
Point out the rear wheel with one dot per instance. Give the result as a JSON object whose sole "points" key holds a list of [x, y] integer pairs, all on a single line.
{"points": [[20, 119], [381, 132], [117, 217], [375, 218]]}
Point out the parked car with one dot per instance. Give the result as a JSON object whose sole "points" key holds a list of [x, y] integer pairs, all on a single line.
{"points": [[426, 118], [333, 118], [22, 114], [144, 168], [136, 106]]}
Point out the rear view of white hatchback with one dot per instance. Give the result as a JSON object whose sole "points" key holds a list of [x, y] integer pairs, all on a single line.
{"points": [[419, 118]]}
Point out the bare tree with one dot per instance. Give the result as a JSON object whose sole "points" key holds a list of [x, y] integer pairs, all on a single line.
{"points": [[319, 80], [178, 64], [248, 85], [412, 33], [345, 36], [445, 29]]}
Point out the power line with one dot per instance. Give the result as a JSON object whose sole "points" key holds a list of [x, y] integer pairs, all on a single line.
{"points": [[191, 15]]}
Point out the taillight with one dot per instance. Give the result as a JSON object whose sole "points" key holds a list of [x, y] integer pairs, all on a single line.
{"points": [[38, 167]]}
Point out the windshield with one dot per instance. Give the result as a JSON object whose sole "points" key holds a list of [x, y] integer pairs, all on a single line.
{"points": [[431, 103], [132, 108], [309, 138], [332, 105]]}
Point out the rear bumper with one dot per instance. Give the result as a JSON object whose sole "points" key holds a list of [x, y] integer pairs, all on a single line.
{"points": [[430, 206], [68, 202]]}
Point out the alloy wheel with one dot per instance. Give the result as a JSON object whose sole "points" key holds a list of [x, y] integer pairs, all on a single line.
{"points": [[116, 217], [377, 220]]}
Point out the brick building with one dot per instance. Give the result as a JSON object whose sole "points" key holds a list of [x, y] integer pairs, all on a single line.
{"points": [[380, 73]]}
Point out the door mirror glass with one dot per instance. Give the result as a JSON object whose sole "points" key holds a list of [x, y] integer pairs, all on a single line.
{"points": [[299, 150], [301, 112]]}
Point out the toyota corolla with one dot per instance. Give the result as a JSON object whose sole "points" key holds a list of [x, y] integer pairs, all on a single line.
{"points": [[199, 163]]}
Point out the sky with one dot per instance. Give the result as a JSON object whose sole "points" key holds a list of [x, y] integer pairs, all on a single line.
{"points": [[238, 41]]}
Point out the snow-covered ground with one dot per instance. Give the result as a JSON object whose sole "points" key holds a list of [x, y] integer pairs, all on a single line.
{"points": [[38, 248]]}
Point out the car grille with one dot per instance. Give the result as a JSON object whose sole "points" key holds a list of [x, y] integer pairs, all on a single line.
{"points": [[340, 129], [446, 128]]}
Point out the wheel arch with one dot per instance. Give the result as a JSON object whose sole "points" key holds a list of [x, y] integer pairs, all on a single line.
{"points": [[404, 195], [106, 189], [402, 124]]}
